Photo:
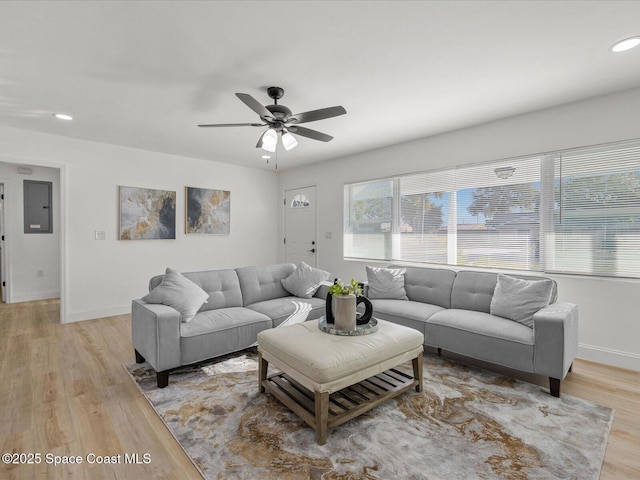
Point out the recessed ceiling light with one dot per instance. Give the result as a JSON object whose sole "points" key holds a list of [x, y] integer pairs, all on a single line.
{"points": [[626, 44], [62, 116]]}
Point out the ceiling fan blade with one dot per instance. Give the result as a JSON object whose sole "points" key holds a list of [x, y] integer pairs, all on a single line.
{"points": [[259, 144], [313, 134], [315, 115], [254, 105], [234, 125]]}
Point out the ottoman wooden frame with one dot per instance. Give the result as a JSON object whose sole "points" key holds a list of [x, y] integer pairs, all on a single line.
{"points": [[327, 379]]}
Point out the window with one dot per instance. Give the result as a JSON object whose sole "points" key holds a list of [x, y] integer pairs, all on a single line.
{"points": [[425, 211], [576, 211], [300, 201], [369, 213], [596, 211], [498, 215]]}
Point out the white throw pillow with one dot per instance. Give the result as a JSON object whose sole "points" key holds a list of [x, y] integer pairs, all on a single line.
{"points": [[518, 299], [386, 283], [305, 280], [179, 292]]}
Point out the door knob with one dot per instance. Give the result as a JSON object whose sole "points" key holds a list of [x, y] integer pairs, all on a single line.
{"points": [[313, 250]]}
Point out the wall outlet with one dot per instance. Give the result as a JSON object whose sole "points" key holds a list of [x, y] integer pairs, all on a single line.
{"points": [[101, 235]]}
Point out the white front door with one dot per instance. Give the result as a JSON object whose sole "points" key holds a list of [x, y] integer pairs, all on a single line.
{"points": [[300, 241]]}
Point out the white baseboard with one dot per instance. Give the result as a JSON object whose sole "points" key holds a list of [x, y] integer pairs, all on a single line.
{"points": [[607, 356], [34, 296], [99, 313]]}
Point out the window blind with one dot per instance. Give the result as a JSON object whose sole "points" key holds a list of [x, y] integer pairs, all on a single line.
{"points": [[425, 203], [482, 215], [369, 219], [575, 211], [498, 214], [596, 211]]}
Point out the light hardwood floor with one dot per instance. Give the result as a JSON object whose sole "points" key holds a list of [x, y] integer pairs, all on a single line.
{"points": [[63, 392]]}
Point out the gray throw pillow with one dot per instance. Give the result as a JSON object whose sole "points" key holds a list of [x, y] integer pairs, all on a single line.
{"points": [[305, 280], [179, 292], [386, 283], [518, 299]]}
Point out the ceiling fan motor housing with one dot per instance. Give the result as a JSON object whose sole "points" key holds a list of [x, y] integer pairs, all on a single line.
{"points": [[276, 93], [280, 112]]}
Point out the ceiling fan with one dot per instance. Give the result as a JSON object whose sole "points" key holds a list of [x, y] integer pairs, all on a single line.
{"points": [[280, 120]]}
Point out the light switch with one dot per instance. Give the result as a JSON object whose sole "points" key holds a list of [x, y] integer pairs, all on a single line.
{"points": [[101, 235]]}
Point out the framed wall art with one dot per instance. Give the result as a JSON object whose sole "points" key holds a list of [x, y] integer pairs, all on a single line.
{"points": [[147, 214], [208, 211]]}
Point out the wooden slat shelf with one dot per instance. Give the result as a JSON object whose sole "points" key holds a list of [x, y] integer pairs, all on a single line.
{"points": [[344, 404]]}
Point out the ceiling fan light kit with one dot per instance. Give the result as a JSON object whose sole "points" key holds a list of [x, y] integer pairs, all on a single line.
{"points": [[288, 141], [269, 148], [270, 138], [280, 120]]}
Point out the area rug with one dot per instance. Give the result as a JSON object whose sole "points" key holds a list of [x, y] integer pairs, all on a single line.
{"points": [[468, 423]]}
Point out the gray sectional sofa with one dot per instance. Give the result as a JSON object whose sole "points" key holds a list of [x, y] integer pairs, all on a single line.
{"points": [[241, 303], [453, 311]]}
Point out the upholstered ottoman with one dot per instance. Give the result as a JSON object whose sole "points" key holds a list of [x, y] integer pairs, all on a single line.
{"points": [[329, 379]]}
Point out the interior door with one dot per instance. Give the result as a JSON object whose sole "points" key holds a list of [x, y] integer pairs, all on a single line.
{"points": [[300, 226]]}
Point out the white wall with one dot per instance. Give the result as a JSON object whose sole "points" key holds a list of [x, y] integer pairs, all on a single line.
{"points": [[30, 254], [609, 309], [100, 278]]}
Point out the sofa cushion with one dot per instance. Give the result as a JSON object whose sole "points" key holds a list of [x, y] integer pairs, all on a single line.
{"points": [[429, 285], [483, 324], [178, 292], [222, 286], [305, 280], [404, 312], [221, 319], [263, 283], [221, 331], [518, 299], [482, 336], [386, 283], [473, 290], [289, 310]]}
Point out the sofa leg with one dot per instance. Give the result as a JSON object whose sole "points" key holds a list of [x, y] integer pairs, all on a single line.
{"points": [[554, 387], [162, 378], [439, 352], [139, 358]]}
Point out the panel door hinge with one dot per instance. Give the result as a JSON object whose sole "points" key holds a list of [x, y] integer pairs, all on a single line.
{"points": [[2, 197], [285, 241], [3, 238], [285, 202], [4, 284]]}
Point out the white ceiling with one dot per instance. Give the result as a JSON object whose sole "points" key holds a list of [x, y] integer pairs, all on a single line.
{"points": [[144, 74]]}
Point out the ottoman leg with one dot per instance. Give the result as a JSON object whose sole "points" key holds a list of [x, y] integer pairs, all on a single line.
{"points": [[322, 415], [263, 366], [417, 371]]}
